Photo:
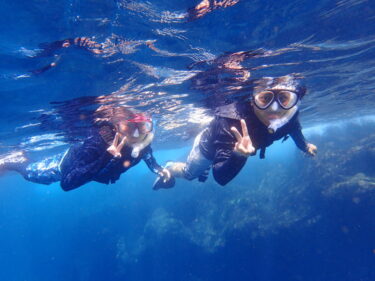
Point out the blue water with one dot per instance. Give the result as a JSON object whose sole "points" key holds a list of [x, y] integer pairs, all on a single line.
{"points": [[287, 217]]}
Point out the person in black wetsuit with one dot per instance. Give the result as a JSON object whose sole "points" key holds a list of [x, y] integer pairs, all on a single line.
{"points": [[113, 147], [239, 130]]}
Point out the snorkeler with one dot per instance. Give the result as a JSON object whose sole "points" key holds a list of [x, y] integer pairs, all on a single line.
{"points": [[113, 147], [239, 130]]}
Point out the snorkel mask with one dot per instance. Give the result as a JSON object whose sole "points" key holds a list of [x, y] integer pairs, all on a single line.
{"points": [[139, 124], [278, 96]]}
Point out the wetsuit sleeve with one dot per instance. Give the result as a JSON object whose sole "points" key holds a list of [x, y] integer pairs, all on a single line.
{"points": [[89, 159], [298, 137], [150, 160], [111, 164], [226, 164]]}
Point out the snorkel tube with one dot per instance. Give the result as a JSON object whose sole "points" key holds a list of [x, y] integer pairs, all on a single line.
{"points": [[138, 147], [277, 124], [280, 122]]}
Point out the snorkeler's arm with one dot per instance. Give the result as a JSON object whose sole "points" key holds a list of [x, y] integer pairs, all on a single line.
{"points": [[227, 163], [140, 146], [89, 159], [298, 137], [150, 161]]}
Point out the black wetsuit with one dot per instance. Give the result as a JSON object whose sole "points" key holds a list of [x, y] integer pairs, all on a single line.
{"points": [[88, 161], [218, 141]]}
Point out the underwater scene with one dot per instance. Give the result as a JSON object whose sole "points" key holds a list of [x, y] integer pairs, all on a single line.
{"points": [[189, 140]]}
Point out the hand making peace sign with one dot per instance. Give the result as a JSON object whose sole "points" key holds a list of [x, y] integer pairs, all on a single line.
{"points": [[115, 148], [244, 145]]}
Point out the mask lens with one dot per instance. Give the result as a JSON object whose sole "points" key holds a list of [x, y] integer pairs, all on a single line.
{"points": [[145, 127], [140, 124], [130, 128], [287, 99], [263, 99], [142, 127]]}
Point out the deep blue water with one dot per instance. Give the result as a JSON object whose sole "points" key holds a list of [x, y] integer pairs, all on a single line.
{"points": [[287, 217]]}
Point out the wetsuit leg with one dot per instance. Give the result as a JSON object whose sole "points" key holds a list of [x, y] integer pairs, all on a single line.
{"points": [[46, 171], [196, 164]]}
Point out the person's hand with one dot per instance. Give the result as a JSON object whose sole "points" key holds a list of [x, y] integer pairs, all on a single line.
{"points": [[165, 174], [312, 150], [244, 145], [115, 148]]}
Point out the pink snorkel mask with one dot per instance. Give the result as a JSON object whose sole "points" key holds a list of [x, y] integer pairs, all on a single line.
{"points": [[139, 124]]}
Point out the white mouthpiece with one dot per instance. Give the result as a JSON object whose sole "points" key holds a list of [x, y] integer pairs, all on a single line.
{"points": [[136, 133]]}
